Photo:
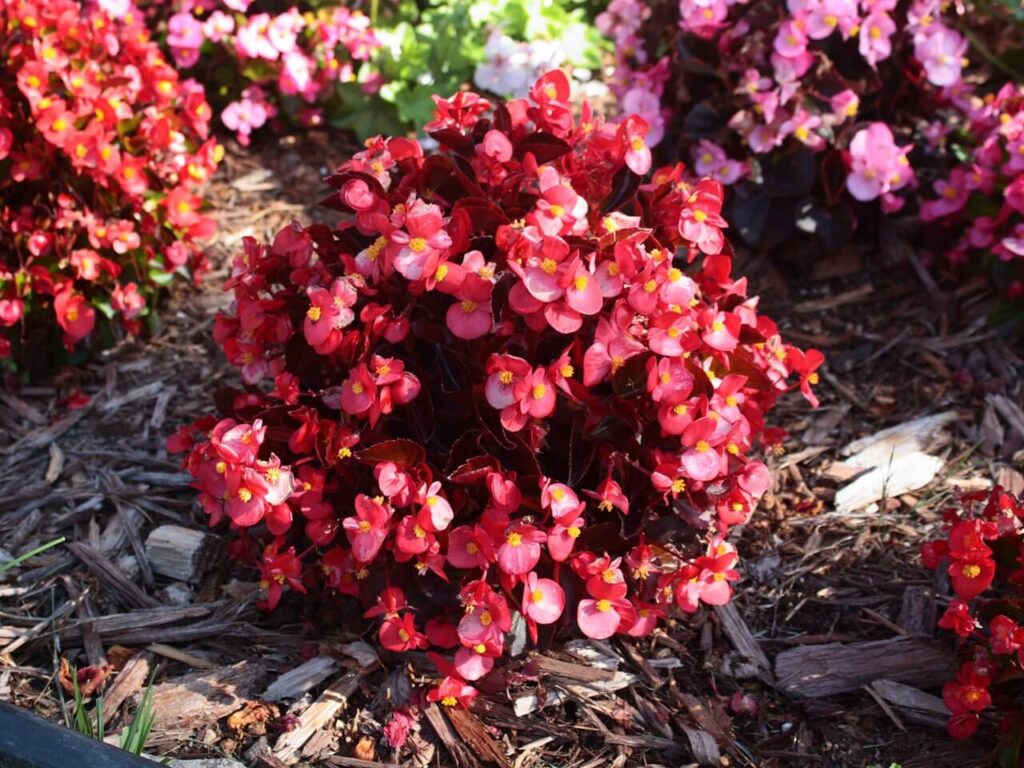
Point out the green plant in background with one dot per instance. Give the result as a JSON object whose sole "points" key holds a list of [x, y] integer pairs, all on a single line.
{"points": [[437, 48]]}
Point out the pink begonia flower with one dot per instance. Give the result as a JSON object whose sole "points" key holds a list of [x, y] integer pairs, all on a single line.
{"points": [[247, 115], [845, 104], [875, 37], [791, 39], [702, 16], [801, 125], [711, 160], [644, 102], [543, 599], [184, 38], [951, 196], [877, 164], [941, 53], [252, 41], [298, 76], [826, 16], [219, 26], [238, 5], [1011, 246], [284, 30]]}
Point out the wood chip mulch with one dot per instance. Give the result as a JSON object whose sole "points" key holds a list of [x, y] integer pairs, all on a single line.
{"points": [[829, 650]]}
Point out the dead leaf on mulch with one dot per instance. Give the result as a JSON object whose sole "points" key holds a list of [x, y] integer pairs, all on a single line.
{"points": [[252, 718], [90, 679]]}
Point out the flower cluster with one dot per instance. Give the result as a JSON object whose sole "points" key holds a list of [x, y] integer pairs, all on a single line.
{"points": [[979, 205], [500, 390], [983, 553], [638, 82], [291, 60], [796, 102], [102, 148]]}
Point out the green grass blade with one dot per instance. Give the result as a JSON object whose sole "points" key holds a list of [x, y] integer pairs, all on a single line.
{"points": [[28, 555]]}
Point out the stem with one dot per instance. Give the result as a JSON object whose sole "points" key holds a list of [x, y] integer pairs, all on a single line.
{"points": [[37, 551]]}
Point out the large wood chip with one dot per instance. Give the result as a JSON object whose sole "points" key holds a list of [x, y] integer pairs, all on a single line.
{"points": [[460, 753], [476, 737], [815, 671], [741, 637], [295, 682], [182, 554], [912, 704], [570, 671], [115, 583], [128, 682], [193, 702], [320, 713]]}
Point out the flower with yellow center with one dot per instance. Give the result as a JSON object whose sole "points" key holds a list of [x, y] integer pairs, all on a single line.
{"points": [[273, 474], [417, 245], [637, 144], [650, 286], [718, 326], [702, 446], [472, 548], [245, 495], [679, 410], [72, 314], [486, 618], [344, 452], [357, 388], [449, 701], [469, 306], [539, 390], [364, 526], [678, 485], [418, 532], [313, 313], [700, 217], [549, 266], [971, 571], [813, 378], [802, 132], [581, 282], [604, 605], [514, 539], [567, 371], [573, 531], [537, 596], [556, 211], [506, 377]]}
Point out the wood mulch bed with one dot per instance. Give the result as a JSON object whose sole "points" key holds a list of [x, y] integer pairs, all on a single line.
{"points": [[831, 635]]}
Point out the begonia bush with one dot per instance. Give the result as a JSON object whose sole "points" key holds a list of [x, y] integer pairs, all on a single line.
{"points": [[982, 551], [976, 209], [819, 114], [515, 380], [258, 60], [102, 149]]}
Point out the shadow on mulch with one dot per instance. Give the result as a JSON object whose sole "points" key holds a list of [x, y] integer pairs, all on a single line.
{"points": [[101, 476]]}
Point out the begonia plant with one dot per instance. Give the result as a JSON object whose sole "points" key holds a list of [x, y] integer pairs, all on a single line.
{"points": [[516, 384]]}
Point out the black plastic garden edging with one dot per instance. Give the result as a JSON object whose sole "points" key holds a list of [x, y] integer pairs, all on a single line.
{"points": [[28, 741]]}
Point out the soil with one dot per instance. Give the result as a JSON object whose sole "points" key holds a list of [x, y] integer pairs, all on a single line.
{"points": [[899, 347]]}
